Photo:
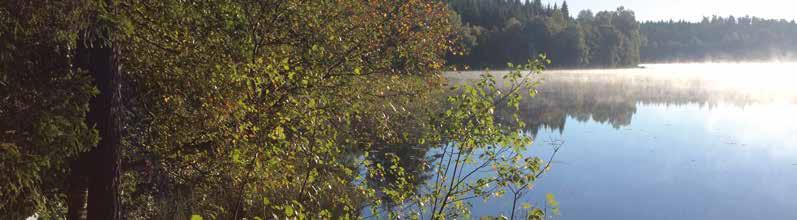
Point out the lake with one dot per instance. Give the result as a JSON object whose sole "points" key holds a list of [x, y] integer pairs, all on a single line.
{"points": [[670, 141]]}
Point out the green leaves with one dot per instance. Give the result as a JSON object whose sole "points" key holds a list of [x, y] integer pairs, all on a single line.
{"points": [[278, 133], [43, 104], [281, 95], [549, 198], [536, 214], [481, 122], [261, 109]]}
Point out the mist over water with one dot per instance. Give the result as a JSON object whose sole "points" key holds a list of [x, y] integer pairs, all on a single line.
{"points": [[667, 141], [757, 81]]}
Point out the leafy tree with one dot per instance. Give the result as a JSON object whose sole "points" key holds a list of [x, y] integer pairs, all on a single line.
{"points": [[263, 84], [43, 105], [241, 109]]}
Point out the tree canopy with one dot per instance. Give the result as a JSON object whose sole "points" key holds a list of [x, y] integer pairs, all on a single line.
{"points": [[244, 109], [496, 32], [499, 31], [720, 39]]}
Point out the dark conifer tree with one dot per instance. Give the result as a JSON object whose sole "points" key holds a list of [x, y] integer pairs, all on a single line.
{"points": [[513, 31], [719, 39]]}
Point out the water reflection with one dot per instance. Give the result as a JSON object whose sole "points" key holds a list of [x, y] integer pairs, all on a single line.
{"points": [[611, 96], [699, 141]]}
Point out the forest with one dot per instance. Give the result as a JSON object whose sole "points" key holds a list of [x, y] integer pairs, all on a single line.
{"points": [[497, 32], [720, 39], [268, 109]]}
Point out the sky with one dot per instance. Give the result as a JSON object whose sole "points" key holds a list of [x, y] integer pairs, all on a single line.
{"points": [[690, 10]]}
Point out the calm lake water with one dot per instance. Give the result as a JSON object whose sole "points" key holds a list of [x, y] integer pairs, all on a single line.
{"points": [[675, 141]]}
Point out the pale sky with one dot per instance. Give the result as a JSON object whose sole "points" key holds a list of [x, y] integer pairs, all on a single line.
{"points": [[691, 10]]}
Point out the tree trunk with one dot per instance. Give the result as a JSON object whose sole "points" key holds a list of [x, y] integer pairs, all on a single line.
{"points": [[97, 56], [77, 191]]}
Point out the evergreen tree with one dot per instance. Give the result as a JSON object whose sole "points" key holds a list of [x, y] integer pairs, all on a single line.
{"points": [[613, 40], [719, 38], [537, 6]]}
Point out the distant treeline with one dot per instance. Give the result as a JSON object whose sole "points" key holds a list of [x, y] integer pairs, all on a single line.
{"points": [[719, 39], [495, 32], [501, 31]]}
